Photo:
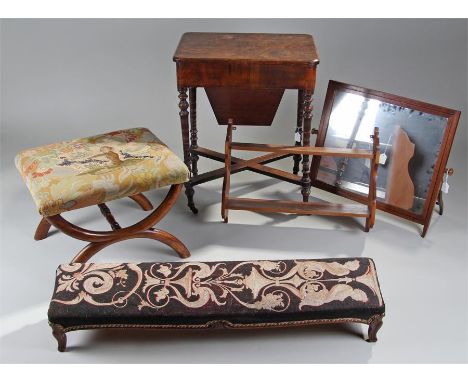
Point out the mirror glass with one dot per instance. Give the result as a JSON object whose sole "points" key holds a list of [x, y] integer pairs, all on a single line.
{"points": [[410, 141]]}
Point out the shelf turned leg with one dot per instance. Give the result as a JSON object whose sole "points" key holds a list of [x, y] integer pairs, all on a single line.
{"points": [[307, 110], [184, 122]]}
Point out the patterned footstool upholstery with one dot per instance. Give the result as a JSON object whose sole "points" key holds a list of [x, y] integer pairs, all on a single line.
{"points": [[247, 294], [91, 171], [84, 172]]}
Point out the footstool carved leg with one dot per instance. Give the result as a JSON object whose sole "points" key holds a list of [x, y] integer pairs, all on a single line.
{"points": [[375, 323], [59, 333], [42, 229]]}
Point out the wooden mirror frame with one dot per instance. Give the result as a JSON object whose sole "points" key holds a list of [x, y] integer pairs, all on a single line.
{"points": [[452, 116]]}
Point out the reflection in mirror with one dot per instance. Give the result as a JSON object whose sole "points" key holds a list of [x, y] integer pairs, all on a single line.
{"points": [[410, 142]]}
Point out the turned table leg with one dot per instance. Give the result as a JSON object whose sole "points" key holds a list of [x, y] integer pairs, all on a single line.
{"points": [[193, 130], [307, 110], [184, 122], [298, 132]]}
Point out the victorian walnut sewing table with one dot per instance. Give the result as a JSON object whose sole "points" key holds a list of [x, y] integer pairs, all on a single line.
{"points": [[244, 76]]}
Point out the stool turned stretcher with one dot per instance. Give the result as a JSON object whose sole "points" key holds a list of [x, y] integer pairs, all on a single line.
{"points": [[91, 171], [237, 295]]}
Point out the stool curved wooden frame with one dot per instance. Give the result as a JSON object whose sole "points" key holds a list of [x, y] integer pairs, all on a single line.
{"points": [[101, 239]]}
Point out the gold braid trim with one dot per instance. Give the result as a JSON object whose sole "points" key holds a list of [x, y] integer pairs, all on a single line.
{"points": [[220, 324]]}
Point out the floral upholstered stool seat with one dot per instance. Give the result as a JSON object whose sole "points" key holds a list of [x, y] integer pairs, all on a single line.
{"points": [[238, 295], [91, 171]]}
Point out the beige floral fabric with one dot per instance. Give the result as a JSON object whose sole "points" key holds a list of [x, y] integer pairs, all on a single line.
{"points": [[74, 174]]}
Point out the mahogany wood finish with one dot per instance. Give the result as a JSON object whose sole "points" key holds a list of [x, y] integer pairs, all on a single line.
{"points": [[255, 165], [101, 239], [60, 335], [184, 121], [193, 130], [43, 228], [227, 176], [375, 324], [452, 116], [304, 150], [105, 211], [372, 196], [300, 117], [292, 207], [245, 75], [142, 201], [152, 233], [305, 207], [246, 107], [307, 109]]}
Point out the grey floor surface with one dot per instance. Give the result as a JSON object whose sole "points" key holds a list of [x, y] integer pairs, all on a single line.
{"points": [[424, 281]]}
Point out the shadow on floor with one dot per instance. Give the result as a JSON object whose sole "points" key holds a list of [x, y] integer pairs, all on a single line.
{"points": [[340, 343]]}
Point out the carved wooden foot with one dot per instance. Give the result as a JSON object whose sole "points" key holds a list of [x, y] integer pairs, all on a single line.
{"points": [[189, 191], [142, 201], [42, 229], [375, 323], [60, 335]]}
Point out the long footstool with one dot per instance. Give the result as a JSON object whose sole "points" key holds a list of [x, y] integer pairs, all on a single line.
{"points": [[239, 295]]}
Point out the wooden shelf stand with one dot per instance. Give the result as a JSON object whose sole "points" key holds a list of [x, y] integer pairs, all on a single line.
{"points": [[233, 165]]}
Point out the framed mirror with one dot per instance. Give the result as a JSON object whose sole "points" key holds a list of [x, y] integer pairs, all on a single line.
{"points": [[415, 142]]}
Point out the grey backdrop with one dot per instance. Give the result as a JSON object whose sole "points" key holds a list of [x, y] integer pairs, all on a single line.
{"points": [[63, 79]]}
